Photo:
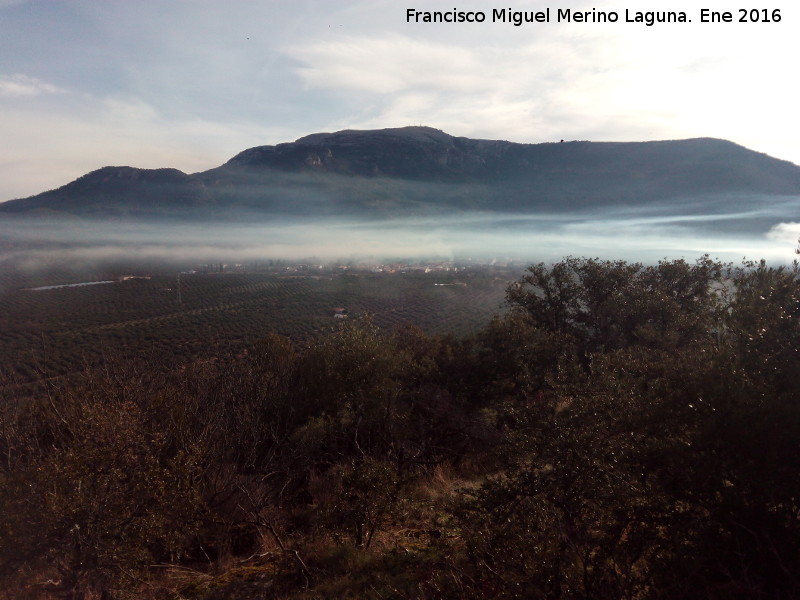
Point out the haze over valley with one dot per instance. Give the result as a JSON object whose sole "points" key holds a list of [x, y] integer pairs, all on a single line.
{"points": [[417, 193]]}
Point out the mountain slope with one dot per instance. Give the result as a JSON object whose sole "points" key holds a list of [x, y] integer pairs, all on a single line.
{"points": [[419, 170]]}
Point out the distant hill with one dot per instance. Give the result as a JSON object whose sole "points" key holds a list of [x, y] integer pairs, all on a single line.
{"points": [[422, 171]]}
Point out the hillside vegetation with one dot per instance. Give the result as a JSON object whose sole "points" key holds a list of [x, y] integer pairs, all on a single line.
{"points": [[622, 431]]}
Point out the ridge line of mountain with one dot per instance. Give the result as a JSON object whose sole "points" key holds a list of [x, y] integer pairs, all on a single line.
{"points": [[421, 170]]}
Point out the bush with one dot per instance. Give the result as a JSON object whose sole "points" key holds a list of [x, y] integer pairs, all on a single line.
{"points": [[93, 490]]}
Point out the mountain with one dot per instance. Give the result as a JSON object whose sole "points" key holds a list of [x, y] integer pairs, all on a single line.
{"points": [[422, 171]]}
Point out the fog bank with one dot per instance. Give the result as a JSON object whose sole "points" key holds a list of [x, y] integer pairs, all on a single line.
{"points": [[751, 227]]}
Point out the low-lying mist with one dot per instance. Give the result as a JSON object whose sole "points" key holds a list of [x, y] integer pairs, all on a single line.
{"points": [[732, 228]]}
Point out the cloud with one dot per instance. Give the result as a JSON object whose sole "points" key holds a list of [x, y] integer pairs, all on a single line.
{"points": [[550, 85], [19, 85], [391, 64], [523, 90], [536, 83], [48, 144], [785, 232]]}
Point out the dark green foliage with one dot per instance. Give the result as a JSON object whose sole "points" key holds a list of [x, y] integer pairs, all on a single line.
{"points": [[622, 432], [597, 306], [93, 486], [764, 313], [660, 459]]}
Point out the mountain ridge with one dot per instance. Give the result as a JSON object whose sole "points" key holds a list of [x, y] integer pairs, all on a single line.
{"points": [[421, 170]]}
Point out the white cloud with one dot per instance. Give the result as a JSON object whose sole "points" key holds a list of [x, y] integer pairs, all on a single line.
{"points": [[577, 81], [47, 148], [526, 91], [19, 85], [785, 232], [391, 64]]}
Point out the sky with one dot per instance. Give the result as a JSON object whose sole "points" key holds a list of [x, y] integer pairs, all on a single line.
{"points": [[189, 83]]}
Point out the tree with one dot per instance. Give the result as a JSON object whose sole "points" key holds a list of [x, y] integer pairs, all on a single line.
{"points": [[595, 305], [663, 444]]}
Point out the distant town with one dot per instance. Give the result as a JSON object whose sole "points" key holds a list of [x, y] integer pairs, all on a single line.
{"points": [[316, 268]]}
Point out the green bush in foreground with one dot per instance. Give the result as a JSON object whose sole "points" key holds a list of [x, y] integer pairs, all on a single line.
{"points": [[93, 490], [660, 458]]}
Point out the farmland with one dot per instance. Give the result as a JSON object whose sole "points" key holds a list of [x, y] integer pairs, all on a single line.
{"points": [[162, 315]]}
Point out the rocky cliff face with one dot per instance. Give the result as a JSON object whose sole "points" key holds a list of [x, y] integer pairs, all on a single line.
{"points": [[408, 152]]}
